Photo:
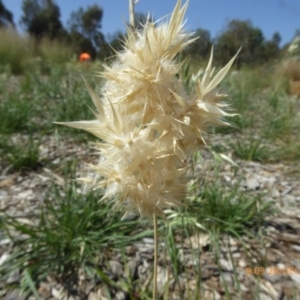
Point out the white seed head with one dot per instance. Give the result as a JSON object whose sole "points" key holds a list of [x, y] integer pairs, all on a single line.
{"points": [[147, 122]]}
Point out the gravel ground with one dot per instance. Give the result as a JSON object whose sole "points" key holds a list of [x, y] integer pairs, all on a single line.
{"points": [[269, 270]]}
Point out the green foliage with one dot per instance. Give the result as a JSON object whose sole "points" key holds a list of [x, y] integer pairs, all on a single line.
{"points": [[20, 155], [227, 211], [201, 48], [188, 77], [218, 209], [87, 22], [267, 125], [15, 114], [72, 234], [15, 52], [20, 55], [140, 20], [113, 43], [41, 18], [81, 44], [84, 27], [271, 49], [71, 231], [6, 17], [251, 149], [33, 102], [255, 50], [54, 53]]}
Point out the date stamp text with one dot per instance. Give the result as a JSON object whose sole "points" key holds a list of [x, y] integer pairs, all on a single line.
{"points": [[272, 271]]}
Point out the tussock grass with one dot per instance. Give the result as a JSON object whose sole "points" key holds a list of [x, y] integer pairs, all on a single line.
{"points": [[267, 124], [289, 69], [20, 54], [20, 156], [54, 53], [15, 51], [71, 233]]}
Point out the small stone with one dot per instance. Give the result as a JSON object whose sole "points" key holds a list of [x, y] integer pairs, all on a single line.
{"points": [[131, 269], [296, 247], [275, 193], [268, 288], [210, 294], [252, 183], [212, 267], [13, 277], [116, 267], [14, 295], [236, 255], [227, 276], [198, 241], [4, 242], [162, 278], [97, 295], [272, 278], [3, 195], [281, 266], [289, 291], [243, 288], [242, 263], [264, 296], [4, 257], [74, 298], [205, 274], [289, 199], [57, 292], [120, 295], [226, 264], [130, 250], [148, 240], [286, 191], [271, 256], [295, 278], [44, 290]]}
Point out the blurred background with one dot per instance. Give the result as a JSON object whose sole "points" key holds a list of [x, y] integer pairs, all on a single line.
{"points": [[243, 193], [263, 28]]}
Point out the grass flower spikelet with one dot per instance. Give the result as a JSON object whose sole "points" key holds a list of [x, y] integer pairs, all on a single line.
{"points": [[147, 122]]}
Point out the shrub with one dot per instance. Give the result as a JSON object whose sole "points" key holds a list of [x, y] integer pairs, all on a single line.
{"points": [[15, 50]]}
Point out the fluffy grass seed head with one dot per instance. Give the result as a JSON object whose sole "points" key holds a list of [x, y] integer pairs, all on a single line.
{"points": [[147, 123]]}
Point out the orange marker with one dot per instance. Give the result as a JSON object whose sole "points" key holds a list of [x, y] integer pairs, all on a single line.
{"points": [[84, 57]]}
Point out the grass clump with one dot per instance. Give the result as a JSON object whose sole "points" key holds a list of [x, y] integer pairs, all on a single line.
{"points": [[252, 149], [289, 69], [16, 113], [20, 154], [71, 235], [15, 51], [54, 53], [20, 54], [220, 209], [267, 124], [229, 211], [30, 103]]}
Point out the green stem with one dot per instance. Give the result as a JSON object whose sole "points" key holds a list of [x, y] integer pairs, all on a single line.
{"points": [[155, 257]]}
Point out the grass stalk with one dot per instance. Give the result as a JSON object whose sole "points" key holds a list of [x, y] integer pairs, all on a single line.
{"points": [[155, 257]]}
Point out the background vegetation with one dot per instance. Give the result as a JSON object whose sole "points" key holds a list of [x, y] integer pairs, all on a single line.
{"points": [[41, 20], [40, 84]]}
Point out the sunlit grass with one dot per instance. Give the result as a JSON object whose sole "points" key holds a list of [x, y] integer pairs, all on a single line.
{"points": [[71, 233]]}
